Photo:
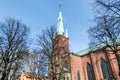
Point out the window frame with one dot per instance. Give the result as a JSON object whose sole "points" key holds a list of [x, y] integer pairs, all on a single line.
{"points": [[90, 72], [78, 75], [105, 69]]}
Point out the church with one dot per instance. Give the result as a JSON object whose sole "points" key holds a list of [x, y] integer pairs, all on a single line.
{"points": [[84, 65]]}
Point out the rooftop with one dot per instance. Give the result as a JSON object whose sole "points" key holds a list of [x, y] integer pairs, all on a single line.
{"points": [[96, 47]]}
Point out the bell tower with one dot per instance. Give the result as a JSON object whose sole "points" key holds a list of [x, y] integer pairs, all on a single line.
{"points": [[61, 38], [60, 46]]}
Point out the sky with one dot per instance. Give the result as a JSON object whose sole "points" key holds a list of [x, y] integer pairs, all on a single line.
{"points": [[40, 14]]}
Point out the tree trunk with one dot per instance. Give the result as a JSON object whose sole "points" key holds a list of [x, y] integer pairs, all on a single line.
{"points": [[6, 72], [3, 75]]}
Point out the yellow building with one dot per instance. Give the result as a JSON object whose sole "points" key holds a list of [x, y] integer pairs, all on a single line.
{"points": [[30, 76]]}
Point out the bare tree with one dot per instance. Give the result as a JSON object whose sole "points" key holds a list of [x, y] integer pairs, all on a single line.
{"points": [[13, 44], [44, 42], [108, 7], [42, 64], [50, 50], [34, 63], [30, 63], [106, 32], [46, 50], [15, 70]]}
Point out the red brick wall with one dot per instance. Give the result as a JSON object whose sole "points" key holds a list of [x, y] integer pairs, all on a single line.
{"points": [[60, 46], [79, 64], [76, 65], [61, 42]]}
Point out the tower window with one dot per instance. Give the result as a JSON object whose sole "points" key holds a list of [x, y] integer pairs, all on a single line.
{"points": [[66, 64]]}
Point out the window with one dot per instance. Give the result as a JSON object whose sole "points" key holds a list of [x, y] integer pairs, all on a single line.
{"points": [[66, 64], [78, 75], [63, 78], [67, 78], [104, 68], [89, 72], [119, 55]]}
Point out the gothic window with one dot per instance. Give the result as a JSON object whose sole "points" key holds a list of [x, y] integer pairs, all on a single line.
{"points": [[104, 68], [89, 72], [66, 64], [78, 75], [67, 78], [63, 78]]}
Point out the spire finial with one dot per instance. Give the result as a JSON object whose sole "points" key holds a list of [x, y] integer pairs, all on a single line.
{"points": [[60, 5]]}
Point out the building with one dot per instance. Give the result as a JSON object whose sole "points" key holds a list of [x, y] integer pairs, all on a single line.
{"points": [[30, 76], [84, 65]]}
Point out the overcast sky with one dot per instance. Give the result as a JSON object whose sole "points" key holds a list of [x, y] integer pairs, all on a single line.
{"points": [[39, 14]]}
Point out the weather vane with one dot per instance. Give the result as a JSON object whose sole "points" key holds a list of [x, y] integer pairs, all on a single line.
{"points": [[60, 5]]}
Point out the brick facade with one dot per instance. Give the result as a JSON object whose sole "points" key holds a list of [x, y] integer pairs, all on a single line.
{"points": [[76, 63], [94, 59], [101, 64]]}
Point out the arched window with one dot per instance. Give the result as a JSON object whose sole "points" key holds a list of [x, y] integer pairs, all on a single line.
{"points": [[104, 68], [89, 72], [66, 64], [78, 75]]}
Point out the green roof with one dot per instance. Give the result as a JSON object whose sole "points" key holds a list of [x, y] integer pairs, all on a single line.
{"points": [[95, 48]]}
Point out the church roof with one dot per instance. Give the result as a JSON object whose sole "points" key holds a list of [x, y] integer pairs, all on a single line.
{"points": [[95, 48]]}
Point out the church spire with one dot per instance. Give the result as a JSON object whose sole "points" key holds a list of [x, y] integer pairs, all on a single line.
{"points": [[60, 26]]}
